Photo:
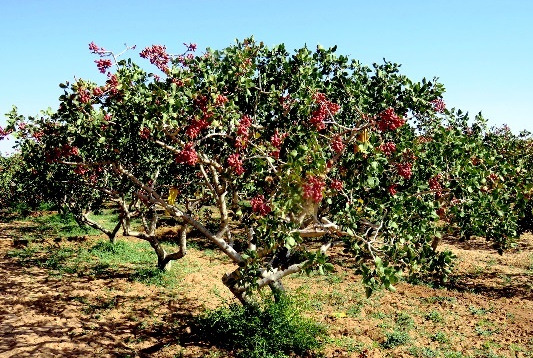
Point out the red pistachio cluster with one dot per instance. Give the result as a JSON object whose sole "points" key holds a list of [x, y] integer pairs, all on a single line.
{"points": [[260, 206], [65, 151], [387, 148], [103, 65], [97, 50], [196, 126], [188, 155], [389, 120], [190, 46], [243, 132], [80, 170], [98, 91], [337, 144], [404, 170], [438, 105], [221, 100], [423, 139], [235, 163], [314, 188], [144, 133], [324, 109], [4, 133], [84, 95], [112, 84], [277, 140], [434, 184], [157, 55], [336, 184], [37, 135]]}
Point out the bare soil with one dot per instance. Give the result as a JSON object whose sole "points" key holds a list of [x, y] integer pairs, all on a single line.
{"points": [[487, 310]]}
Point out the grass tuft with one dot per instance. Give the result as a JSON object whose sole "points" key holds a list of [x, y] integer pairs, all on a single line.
{"points": [[273, 330]]}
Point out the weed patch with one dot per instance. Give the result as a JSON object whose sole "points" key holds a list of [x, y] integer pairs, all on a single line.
{"points": [[274, 330]]}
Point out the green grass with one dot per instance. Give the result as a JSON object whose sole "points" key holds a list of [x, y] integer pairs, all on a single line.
{"points": [[349, 344], [273, 329], [440, 337], [404, 321], [434, 316], [439, 299], [135, 259], [61, 225], [453, 354], [424, 352], [479, 311], [486, 328], [395, 338]]}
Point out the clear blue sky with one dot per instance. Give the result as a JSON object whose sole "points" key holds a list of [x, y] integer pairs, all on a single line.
{"points": [[481, 50]]}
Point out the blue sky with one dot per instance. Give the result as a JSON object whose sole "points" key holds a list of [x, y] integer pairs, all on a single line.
{"points": [[481, 50]]}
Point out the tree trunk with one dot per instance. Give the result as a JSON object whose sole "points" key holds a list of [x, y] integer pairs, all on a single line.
{"points": [[277, 289]]}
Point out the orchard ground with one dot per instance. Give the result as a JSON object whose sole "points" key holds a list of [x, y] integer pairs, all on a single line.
{"points": [[54, 304]]}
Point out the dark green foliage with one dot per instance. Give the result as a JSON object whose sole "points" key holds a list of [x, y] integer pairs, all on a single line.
{"points": [[275, 329], [395, 338]]}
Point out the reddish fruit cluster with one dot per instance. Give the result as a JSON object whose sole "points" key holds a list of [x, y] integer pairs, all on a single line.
{"points": [[277, 140], [438, 105], [4, 133], [423, 139], [196, 126], [337, 145], [84, 95], [201, 103], [260, 206], [236, 164], [441, 212], [80, 170], [389, 120], [314, 188], [392, 189], [144, 133], [158, 56], [177, 82], [37, 135], [103, 65], [112, 84], [68, 150], [191, 46], [221, 100], [98, 91], [492, 177], [404, 170], [325, 108], [97, 50], [336, 184], [188, 155], [243, 132], [285, 102], [434, 184], [387, 148]]}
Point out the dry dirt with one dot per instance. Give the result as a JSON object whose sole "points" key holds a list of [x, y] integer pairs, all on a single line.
{"points": [[488, 309]]}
